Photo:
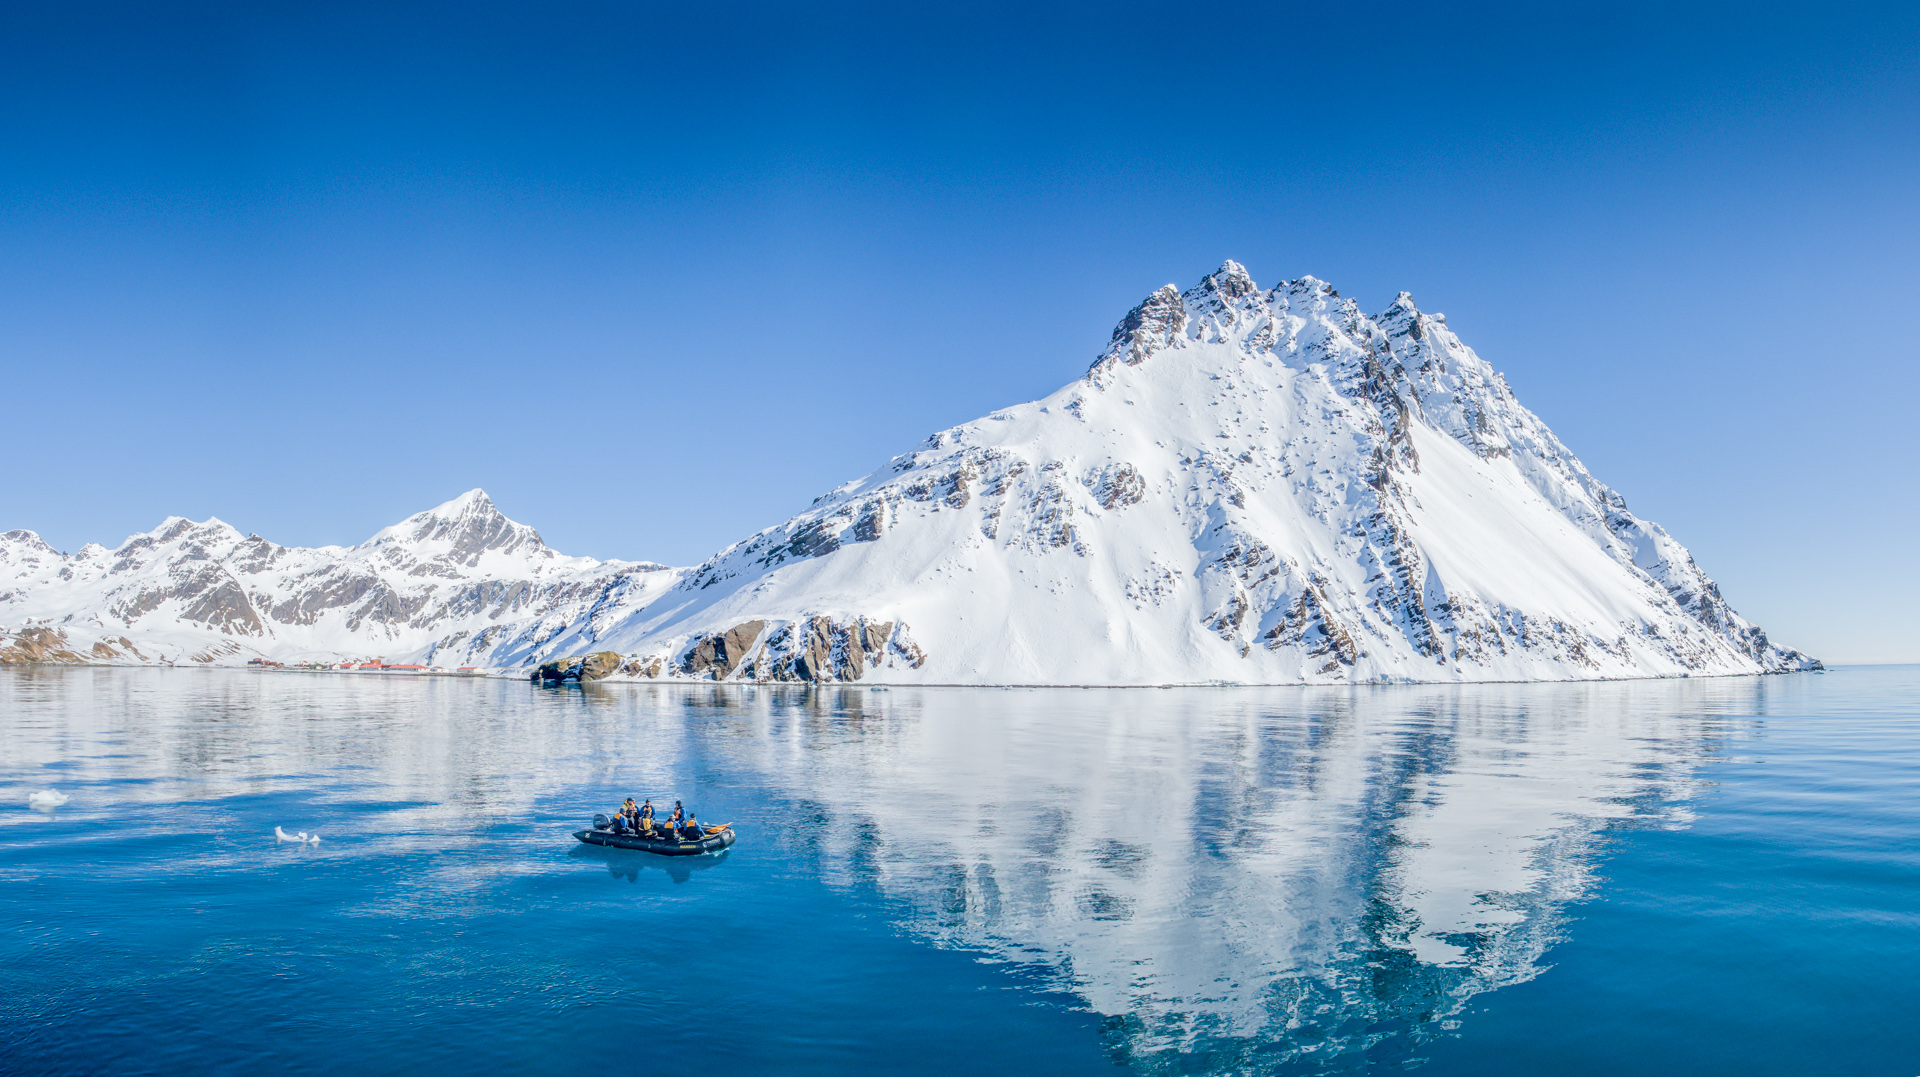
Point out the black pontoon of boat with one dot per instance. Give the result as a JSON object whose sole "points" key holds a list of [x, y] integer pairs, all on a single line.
{"points": [[717, 838]]}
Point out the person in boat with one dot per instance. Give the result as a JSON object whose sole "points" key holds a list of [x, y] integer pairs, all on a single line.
{"points": [[645, 823], [692, 831], [623, 818], [678, 818]]}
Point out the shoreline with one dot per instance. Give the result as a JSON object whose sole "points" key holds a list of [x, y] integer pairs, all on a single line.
{"points": [[888, 685]]}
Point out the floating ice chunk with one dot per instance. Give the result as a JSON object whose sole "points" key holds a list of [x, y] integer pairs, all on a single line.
{"points": [[47, 800], [301, 837]]}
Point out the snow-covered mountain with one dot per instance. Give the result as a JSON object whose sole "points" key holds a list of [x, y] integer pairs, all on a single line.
{"points": [[1247, 486], [457, 585]]}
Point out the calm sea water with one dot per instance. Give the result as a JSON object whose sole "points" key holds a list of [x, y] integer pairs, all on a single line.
{"points": [[1701, 877]]}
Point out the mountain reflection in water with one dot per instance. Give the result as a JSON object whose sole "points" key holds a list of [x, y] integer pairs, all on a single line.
{"points": [[1231, 879], [1284, 874]]}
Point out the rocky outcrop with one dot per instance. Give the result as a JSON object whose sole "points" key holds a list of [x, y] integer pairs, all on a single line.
{"points": [[1153, 325], [650, 666], [39, 646], [1310, 626], [1117, 486], [813, 650], [599, 664], [585, 667], [716, 656]]}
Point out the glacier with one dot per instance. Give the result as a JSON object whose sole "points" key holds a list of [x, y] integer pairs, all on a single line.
{"points": [[1248, 486]]}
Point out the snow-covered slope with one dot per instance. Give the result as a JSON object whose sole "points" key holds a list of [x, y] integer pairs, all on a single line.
{"points": [[1248, 486], [457, 585]]}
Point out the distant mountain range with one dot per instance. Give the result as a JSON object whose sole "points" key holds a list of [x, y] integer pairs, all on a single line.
{"points": [[460, 582], [1248, 486]]}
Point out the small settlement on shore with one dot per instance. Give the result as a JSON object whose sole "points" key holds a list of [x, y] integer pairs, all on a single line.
{"points": [[372, 665]]}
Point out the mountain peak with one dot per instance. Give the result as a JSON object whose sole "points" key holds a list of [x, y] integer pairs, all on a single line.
{"points": [[463, 529], [1230, 281], [1154, 324], [25, 538], [1400, 316], [475, 499], [175, 527]]}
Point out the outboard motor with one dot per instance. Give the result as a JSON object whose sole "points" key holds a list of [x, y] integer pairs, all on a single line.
{"points": [[601, 822]]}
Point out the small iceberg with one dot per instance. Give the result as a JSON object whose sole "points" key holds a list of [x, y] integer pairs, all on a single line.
{"points": [[302, 837], [47, 800]]}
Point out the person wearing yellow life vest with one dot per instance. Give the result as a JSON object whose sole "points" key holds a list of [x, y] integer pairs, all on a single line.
{"points": [[677, 819], [692, 831], [623, 819], [645, 819]]}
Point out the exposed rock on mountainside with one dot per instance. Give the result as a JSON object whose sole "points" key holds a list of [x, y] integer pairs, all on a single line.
{"points": [[45, 646], [814, 649], [1248, 486]]}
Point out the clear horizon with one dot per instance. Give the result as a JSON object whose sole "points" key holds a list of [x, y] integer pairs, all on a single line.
{"points": [[654, 279]]}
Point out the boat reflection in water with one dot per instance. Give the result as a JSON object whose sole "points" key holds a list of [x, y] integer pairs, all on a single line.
{"points": [[1263, 877], [630, 864]]}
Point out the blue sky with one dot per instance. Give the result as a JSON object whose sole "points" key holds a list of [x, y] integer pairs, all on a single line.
{"points": [[656, 275]]}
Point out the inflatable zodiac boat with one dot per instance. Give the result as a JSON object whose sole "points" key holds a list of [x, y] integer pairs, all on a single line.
{"points": [[718, 838]]}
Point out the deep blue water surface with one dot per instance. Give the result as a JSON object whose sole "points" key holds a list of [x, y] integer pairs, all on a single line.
{"points": [[1702, 877]]}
